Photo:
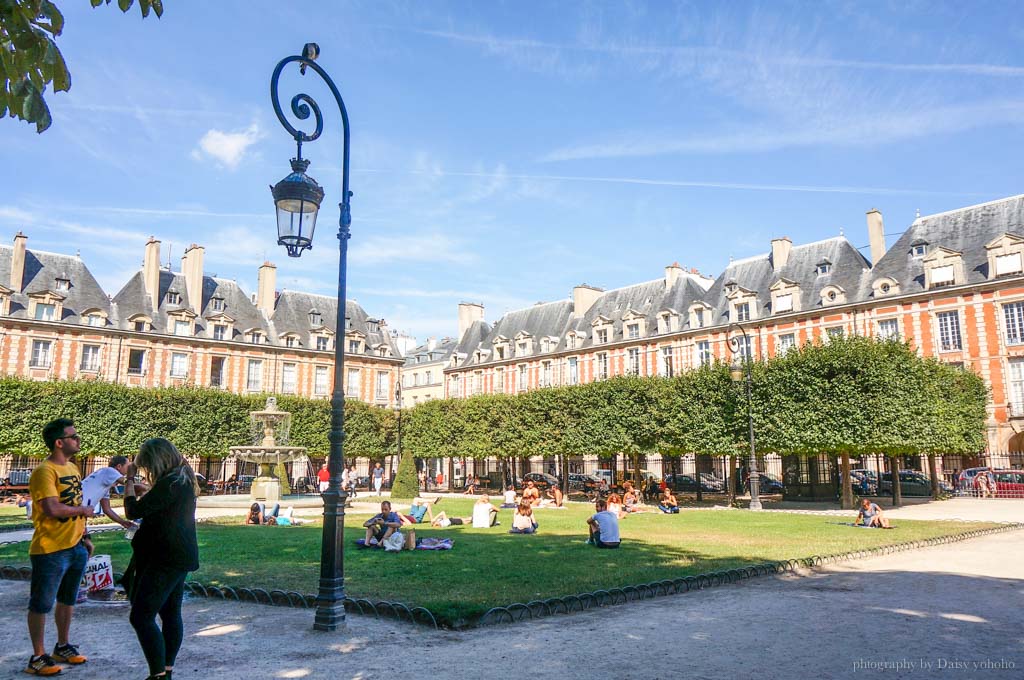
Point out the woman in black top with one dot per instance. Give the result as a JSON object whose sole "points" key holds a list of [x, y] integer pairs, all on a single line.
{"points": [[164, 550]]}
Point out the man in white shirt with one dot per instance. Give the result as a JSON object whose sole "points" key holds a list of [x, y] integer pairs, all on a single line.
{"points": [[96, 489], [604, 527]]}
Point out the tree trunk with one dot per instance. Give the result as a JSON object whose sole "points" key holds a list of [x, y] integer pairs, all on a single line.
{"points": [[934, 474], [897, 492], [565, 474], [696, 478], [846, 490], [732, 481]]}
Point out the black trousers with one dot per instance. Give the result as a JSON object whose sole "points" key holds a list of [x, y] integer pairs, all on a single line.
{"points": [[158, 591]]}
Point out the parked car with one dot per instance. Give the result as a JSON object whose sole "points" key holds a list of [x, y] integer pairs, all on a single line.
{"points": [[542, 480], [689, 484], [1009, 483], [712, 482], [864, 482], [912, 483], [585, 483], [19, 476], [965, 478], [766, 483]]}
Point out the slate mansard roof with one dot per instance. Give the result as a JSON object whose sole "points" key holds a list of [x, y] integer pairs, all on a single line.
{"points": [[966, 230], [292, 315], [42, 269], [424, 354], [758, 274], [133, 301]]}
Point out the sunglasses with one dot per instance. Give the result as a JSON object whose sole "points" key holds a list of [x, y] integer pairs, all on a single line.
{"points": [[76, 437]]}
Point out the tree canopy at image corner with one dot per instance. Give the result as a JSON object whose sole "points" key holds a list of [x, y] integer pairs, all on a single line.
{"points": [[30, 59]]}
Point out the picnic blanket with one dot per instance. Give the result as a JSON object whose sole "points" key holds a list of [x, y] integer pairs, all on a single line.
{"points": [[434, 544]]}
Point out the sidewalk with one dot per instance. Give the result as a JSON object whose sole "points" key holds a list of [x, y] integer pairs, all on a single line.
{"points": [[957, 603]]}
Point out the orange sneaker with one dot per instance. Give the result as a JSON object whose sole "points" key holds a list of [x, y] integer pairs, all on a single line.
{"points": [[42, 665], [68, 654]]}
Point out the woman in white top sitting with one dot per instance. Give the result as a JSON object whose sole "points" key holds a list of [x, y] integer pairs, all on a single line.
{"points": [[510, 498], [522, 520]]}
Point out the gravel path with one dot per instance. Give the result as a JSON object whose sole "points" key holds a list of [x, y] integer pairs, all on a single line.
{"points": [[948, 605]]}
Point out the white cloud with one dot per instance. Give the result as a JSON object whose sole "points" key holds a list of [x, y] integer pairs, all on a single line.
{"points": [[433, 247], [228, 148]]}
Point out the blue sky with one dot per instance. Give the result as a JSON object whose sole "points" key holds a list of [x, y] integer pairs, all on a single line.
{"points": [[504, 152]]}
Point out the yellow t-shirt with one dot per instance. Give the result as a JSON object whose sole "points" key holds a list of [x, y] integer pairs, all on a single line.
{"points": [[63, 482]]}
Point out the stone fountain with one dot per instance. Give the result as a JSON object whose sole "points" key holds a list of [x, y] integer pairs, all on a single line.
{"points": [[269, 425]]}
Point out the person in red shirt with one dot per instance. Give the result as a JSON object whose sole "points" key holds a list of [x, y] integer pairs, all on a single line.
{"points": [[324, 476]]}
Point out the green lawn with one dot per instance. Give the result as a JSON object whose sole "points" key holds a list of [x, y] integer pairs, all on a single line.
{"points": [[490, 567], [11, 516]]}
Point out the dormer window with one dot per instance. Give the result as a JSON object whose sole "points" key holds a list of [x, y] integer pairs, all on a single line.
{"points": [[499, 351], [521, 349], [785, 296], [217, 304], [182, 327], [95, 318], [255, 337], [5, 296], [383, 351], [918, 249], [323, 343], [220, 331], [885, 286], [943, 267], [62, 284], [824, 267], [315, 319], [173, 297], [743, 311], [668, 322], [291, 341], [832, 295], [45, 311], [731, 287], [1005, 256], [140, 324], [633, 331], [601, 336]]}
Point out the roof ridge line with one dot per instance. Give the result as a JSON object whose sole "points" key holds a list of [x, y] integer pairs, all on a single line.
{"points": [[968, 207]]}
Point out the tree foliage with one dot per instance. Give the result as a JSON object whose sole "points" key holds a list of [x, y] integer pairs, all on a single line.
{"points": [[30, 59]]}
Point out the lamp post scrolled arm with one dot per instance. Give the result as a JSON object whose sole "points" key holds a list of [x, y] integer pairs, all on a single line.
{"points": [[733, 342], [330, 608]]}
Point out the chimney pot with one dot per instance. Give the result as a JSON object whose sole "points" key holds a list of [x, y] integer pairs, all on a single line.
{"points": [[780, 252]]}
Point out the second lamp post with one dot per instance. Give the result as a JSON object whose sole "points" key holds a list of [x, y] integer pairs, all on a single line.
{"points": [[740, 373]]}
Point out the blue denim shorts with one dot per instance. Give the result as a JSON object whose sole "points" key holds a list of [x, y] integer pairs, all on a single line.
{"points": [[56, 577]]}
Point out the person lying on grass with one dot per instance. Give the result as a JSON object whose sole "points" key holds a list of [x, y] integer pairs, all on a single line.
{"points": [[381, 525], [421, 507], [443, 520], [870, 515], [522, 520]]}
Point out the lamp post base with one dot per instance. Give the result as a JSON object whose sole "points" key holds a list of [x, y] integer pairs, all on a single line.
{"points": [[330, 605], [755, 505]]}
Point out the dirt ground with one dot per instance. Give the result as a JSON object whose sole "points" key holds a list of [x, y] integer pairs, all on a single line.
{"points": [[947, 611]]}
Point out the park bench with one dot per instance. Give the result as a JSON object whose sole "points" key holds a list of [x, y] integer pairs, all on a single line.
{"points": [[13, 489]]}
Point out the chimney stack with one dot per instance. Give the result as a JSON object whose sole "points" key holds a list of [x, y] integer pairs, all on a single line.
{"points": [[18, 261], [431, 344], [192, 270], [469, 312], [266, 286], [876, 235], [672, 274], [151, 271], [780, 252], [583, 298]]}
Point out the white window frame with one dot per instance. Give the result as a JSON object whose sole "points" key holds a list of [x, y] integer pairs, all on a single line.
{"points": [[742, 311], [179, 365], [785, 342], [633, 361], [321, 380], [220, 331], [289, 383], [381, 385], [254, 375], [602, 366], [1013, 322], [1008, 264], [182, 327], [91, 356], [1015, 380], [45, 311], [42, 354], [353, 383], [574, 370], [666, 367], [949, 333], [704, 356], [888, 329]]}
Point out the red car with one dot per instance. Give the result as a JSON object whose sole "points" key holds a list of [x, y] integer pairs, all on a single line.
{"points": [[1009, 483]]}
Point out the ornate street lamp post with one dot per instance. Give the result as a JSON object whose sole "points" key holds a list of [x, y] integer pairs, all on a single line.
{"points": [[297, 198], [398, 439], [740, 372]]}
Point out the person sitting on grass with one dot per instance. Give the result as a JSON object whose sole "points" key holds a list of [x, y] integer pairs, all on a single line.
{"points": [[510, 498], [531, 494], [484, 514], [870, 515], [615, 505], [631, 499], [604, 527], [522, 520], [668, 503], [553, 498], [381, 525]]}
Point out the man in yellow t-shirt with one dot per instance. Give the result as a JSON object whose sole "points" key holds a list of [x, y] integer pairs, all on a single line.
{"points": [[60, 546]]}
